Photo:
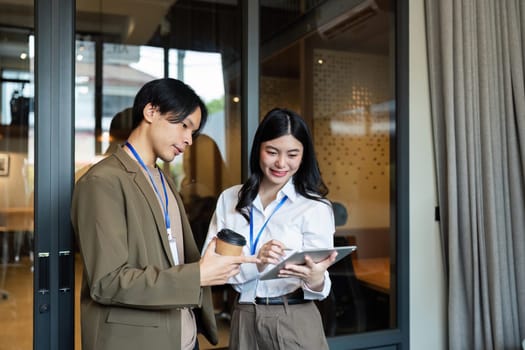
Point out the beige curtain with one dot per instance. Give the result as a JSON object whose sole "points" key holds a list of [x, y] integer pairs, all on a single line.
{"points": [[476, 63]]}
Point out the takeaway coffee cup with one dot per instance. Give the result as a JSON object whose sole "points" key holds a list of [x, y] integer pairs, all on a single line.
{"points": [[229, 242]]}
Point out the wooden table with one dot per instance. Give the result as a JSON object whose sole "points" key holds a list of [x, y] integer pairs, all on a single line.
{"points": [[374, 273], [17, 218]]}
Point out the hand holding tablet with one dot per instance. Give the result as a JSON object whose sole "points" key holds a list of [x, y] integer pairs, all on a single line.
{"points": [[297, 258]]}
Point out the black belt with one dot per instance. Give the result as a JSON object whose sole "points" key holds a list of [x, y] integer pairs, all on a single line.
{"points": [[293, 298]]}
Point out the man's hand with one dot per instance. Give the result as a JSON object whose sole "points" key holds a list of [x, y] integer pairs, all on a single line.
{"points": [[217, 269]]}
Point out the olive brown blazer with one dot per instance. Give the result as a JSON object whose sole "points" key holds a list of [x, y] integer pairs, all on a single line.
{"points": [[132, 291]]}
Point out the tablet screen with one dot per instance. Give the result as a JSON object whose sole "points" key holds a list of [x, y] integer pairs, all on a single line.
{"points": [[297, 258]]}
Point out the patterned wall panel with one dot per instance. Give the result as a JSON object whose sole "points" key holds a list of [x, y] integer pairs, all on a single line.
{"points": [[352, 106], [279, 92]]}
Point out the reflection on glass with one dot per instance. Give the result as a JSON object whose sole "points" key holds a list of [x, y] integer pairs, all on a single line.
{"points": [[337, 71], [16, 183], [84, 108], [203, 172]]}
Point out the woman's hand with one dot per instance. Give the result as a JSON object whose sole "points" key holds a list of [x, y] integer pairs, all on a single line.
{"points": [[311, 273], [270, 253]]}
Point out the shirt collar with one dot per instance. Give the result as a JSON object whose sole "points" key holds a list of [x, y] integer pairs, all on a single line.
{"points": [[288, 190]]}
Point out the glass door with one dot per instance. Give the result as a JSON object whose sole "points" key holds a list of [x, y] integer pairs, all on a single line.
{"points": [[36, 304], [334, 64], [117, 50], [62, 85], [17, 169]]}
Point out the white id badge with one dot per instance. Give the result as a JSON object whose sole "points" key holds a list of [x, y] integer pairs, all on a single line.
{"points": [[174, 254], [170, 237]]}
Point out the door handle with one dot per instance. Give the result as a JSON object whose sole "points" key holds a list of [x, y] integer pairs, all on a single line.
{"points": [[64, 263], [43, 273]]}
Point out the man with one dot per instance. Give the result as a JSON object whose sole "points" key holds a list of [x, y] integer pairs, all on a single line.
{"points": [[145, 284]]}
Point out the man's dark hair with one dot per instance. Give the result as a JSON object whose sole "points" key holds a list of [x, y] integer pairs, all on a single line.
{"points": [[169, 96]]}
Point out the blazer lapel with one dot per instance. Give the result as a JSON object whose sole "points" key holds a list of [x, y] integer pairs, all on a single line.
{"points": [[146, 188]]}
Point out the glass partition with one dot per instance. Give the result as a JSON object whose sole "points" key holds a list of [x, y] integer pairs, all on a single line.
{"points": [[330, 60], [118, 49], [17, 123], [334, 64]]}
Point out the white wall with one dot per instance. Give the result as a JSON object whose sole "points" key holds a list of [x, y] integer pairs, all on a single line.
{"points": [[428, 325]]}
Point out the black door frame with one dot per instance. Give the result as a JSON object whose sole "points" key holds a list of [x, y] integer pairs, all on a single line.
{"points": [[53, 307]]}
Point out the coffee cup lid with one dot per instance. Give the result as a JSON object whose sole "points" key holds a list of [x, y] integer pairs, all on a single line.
{"points": [[231, 237]]}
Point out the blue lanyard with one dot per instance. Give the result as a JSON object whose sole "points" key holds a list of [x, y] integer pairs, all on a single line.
{"points": [[253, 244], [165, 208]]}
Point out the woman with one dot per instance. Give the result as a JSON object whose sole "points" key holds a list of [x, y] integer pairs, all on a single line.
{"points": [[282, 206]]}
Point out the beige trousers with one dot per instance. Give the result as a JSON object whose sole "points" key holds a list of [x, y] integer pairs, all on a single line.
{"points": [[277, 327]]}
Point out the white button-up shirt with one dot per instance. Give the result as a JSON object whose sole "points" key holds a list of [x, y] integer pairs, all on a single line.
{"points": [[300, 223]]}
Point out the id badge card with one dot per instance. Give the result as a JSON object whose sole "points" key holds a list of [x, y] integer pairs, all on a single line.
{"points": [[170, 237]]}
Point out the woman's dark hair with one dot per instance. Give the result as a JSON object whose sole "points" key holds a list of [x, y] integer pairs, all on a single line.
{"points": [[169, 96], [307, 180]]}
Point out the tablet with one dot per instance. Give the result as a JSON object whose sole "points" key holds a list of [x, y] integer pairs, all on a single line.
{"points": [[297, 258]]}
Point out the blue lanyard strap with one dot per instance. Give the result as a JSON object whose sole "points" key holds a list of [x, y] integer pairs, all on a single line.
{"points": [[253, 244], [164, 207]]}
